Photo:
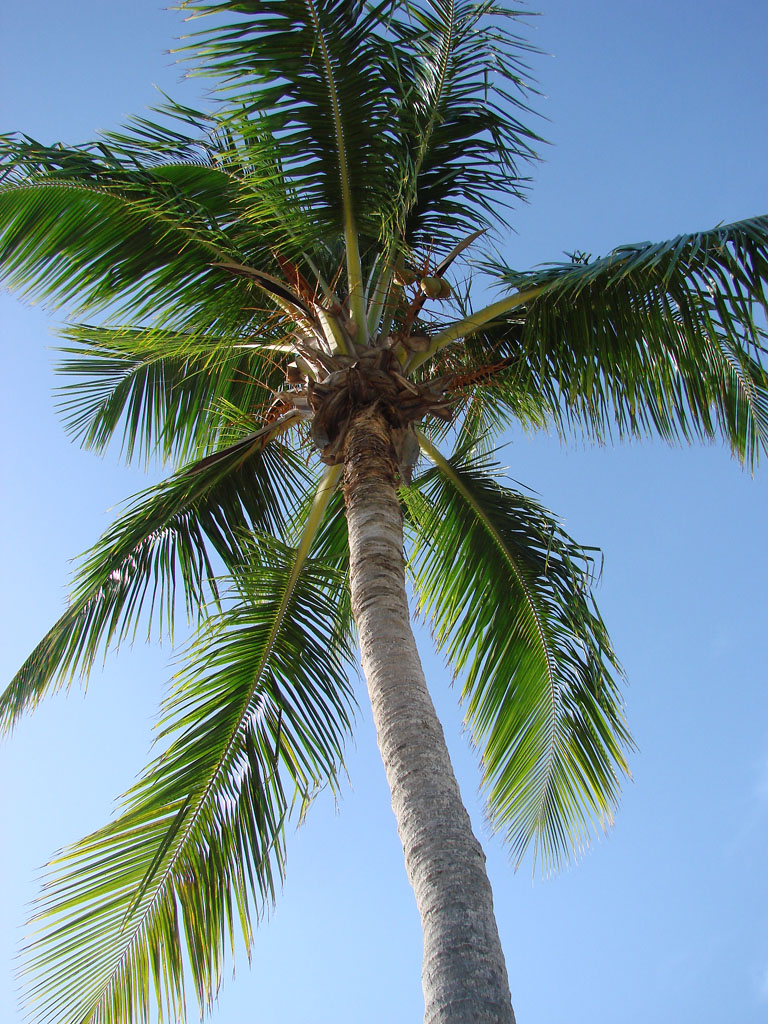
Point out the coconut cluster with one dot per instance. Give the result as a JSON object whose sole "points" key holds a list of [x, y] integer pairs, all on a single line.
{"points": [[433, 287]]}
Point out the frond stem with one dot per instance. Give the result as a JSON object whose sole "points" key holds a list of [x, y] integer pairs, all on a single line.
{"points": [[354, 263], [472, 323]]}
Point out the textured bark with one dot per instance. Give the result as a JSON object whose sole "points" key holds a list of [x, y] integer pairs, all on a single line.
{"points": [[464, 976]]}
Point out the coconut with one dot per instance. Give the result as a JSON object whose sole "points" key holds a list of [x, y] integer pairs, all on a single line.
{"points": [[431, 286], [405, 276]]}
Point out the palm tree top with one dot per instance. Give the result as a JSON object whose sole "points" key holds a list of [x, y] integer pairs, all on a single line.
{"points": [[253, 275]]}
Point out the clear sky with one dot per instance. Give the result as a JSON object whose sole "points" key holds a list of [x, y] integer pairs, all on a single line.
{"points": [[657, 118]]}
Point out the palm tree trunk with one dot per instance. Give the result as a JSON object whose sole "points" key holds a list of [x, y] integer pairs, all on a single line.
{"points": [[464, 976]]}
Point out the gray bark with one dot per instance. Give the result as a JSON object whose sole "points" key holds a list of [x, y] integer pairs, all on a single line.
{"points": [[463, 975]]}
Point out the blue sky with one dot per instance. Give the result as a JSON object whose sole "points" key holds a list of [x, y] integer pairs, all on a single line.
{"points": [[657, 118]]}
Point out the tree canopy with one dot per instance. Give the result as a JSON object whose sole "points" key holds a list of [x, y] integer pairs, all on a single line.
{"points": [[241, 262]]}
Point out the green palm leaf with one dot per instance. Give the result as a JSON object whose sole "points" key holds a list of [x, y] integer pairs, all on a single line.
{"points": [[265, 212], [507, 592], [463, 84], [254, 725], [168, 392], [73, 242], [310, 72], [224, 177], [165, 549], [491, 387], [654, 338], [91, 226]]}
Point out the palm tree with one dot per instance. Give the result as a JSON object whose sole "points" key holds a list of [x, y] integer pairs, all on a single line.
{"points": [[273, 275]]}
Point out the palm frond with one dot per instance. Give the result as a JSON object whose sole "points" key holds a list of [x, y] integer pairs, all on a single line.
{"points": [[397, 118], [310, 74], [464, 86], [507, 592], [87, 227], [164, 551], [170, 393], [661, 338], [269, 213], [491, 387], [66, 241], [254, 726]]}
